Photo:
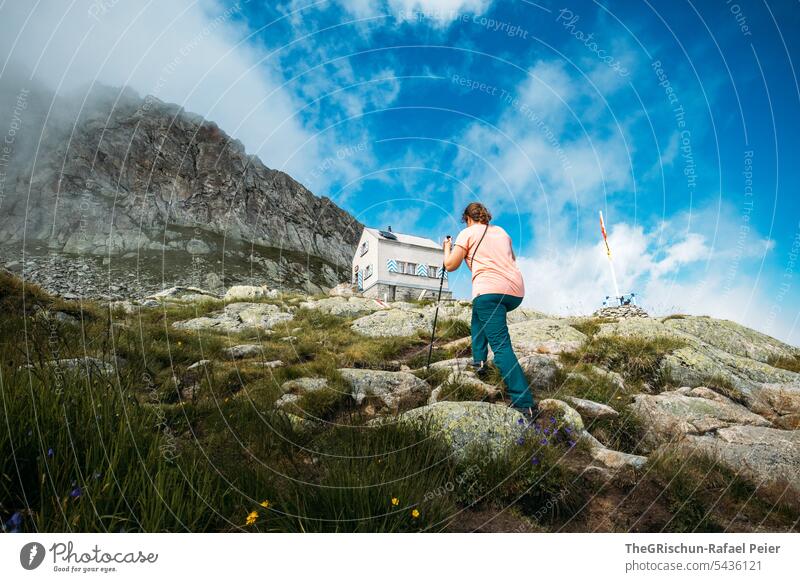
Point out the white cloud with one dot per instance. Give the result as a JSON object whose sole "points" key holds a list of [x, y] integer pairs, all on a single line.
{"points": [[196, 54], [680, 275]]}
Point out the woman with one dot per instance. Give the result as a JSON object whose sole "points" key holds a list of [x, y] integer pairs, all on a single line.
{"points": [[497, 288]]}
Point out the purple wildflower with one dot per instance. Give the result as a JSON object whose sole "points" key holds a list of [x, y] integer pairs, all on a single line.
{"points": [[535, 461], [568, 430], [571, 444], [520, 441], [521, 421], [13, 522], [552, 420], [544, 441], [75, 493], [50, 453]]}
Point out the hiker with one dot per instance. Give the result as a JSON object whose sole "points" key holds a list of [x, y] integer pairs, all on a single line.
{"points": [[497, 288]]}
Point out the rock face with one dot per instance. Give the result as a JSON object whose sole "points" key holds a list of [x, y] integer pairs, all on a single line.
{"points": [[467, 426], [713, 349], [732, 338], [392, 391], [764, 455], [238, 316], [671, 416], [137, 175]]}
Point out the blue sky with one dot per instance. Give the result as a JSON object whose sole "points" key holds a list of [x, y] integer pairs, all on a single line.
{"points": [[678, 120]]}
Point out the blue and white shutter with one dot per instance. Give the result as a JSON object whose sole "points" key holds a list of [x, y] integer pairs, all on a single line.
{"points": [[391, 265], [360, 280], [422, 270], [440, 271]]}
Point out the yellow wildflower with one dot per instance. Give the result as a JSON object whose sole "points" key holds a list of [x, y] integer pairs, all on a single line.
{"points": [[252, 517], [265, 504], [415, 513], [395, 501]]}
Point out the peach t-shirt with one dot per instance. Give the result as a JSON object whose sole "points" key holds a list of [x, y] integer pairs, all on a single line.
{"points": [[494, 269]]}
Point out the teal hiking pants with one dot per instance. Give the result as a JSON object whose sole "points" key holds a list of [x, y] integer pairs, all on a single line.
{"points": [[489, 328]]}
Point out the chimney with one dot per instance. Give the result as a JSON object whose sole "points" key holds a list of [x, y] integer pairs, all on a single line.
{"points": [[390, 229]]}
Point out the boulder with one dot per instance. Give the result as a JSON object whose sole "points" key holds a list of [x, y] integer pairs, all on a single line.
{"points": [[237, 317], [780, 403], [393, 391], [671, 416], [271, 364], [695, 364], [344, 306], [393, 322], [452, 365], [467, 426], [187, 294], [763, 455], [304, 385], [483, 390], [249, 292], [541, 370], [592, 410], [562, 412], [287, 401], [242, 351], [544, 336], [260, 315]]}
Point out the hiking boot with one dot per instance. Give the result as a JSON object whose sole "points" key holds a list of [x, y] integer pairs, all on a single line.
{"points": [[481, 369]]}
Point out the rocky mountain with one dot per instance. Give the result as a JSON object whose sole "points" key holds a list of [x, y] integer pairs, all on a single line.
{"points": [[162, 192]]}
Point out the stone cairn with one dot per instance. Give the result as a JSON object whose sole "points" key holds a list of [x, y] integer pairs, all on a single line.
{"points": [[621, 311]]}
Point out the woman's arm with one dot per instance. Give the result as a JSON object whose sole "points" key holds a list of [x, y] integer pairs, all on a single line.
{"points": [[452, 255]]}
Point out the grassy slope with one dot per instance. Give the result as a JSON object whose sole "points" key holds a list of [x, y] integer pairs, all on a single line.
{"points": [[84, 451]]}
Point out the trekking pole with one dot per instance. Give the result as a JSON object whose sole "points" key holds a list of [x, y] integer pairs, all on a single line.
{"points": [[435, 317]]}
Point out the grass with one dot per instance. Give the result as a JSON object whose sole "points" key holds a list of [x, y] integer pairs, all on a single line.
{"points": [[724, 386], [673, 316], [157, 447], [637, 359], [531, 476], [791, 363], [591, 325], [705, 496]]}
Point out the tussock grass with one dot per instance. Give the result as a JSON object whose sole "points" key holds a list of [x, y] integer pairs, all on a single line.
{"points": [[532, 476], [591, 325], [704, 496], [791, 363], [724, 386], [638, 359]]}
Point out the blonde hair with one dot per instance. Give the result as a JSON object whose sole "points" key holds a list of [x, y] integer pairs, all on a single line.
{"points": [[477, 212]]}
